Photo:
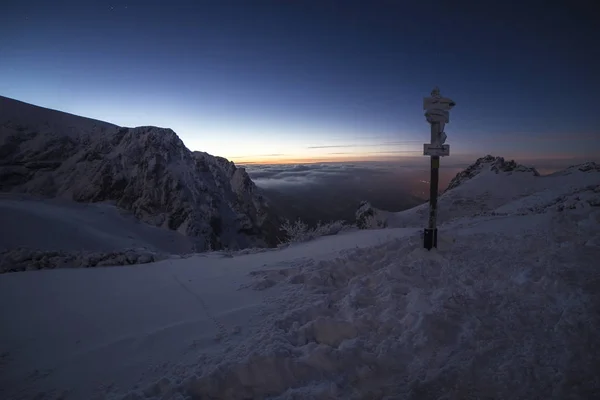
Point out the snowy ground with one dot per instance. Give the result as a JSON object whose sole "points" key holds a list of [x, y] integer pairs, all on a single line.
{"points": [[507, 307], [83, 330]]}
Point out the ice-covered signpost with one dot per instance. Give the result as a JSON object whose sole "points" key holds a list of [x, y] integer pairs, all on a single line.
{"points": [[437, 112]]}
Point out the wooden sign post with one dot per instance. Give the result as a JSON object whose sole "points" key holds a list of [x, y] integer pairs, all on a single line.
{"points": [[437, 113]]}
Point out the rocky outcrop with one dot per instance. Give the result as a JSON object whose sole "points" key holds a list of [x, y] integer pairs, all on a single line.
{"points": [[368, 217], [145, 170], [25, 259], [489, 163], [585, 167]]}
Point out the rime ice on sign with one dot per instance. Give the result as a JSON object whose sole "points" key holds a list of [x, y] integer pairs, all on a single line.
{"points": [[437, 111]]}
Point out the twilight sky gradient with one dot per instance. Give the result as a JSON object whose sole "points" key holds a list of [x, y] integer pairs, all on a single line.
{"points": [[274, 81]]}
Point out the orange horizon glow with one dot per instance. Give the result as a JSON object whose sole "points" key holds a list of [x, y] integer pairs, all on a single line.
{"points": [[325, 157], [316, 160], [294, 160], [462, 157], [305, 153]]}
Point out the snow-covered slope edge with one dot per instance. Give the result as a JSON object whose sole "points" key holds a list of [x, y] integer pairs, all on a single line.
{"points": [[53, 233], [145, 170], [491, 183]]}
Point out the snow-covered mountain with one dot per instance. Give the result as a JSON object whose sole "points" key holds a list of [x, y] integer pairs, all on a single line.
{"points": [[145, 170], [492, 185], [489, 163]]}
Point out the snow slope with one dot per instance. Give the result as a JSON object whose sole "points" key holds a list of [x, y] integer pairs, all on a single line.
{"points": [[55, 224], [48, 233], [84, 332]]}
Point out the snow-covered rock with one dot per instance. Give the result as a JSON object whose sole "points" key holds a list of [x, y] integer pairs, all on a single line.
{"points": [[554, 199], [369, 217], [585, 167], [145, 170], [489, 163], [26, 259]]}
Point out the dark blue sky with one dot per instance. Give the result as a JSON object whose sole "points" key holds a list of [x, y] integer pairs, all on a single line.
{"points": [[275, 80]]}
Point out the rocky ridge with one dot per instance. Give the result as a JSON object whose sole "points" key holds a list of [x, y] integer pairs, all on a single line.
{"points": [[145, 170], [489, 163]]}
